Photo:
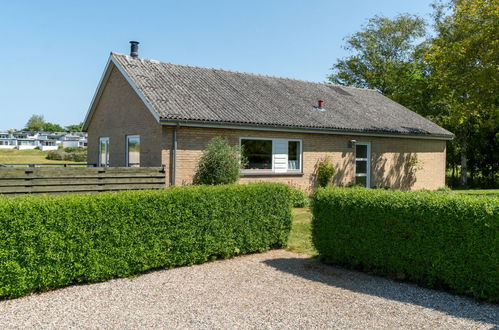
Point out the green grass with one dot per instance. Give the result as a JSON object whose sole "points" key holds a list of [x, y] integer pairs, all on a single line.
{"points": [[14, 156], [300, 238]]}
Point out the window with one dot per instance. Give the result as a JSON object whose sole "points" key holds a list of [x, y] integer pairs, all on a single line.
{"points": [[104, 152], [293, 155], [271, 155], [363, 164], [258, 154], [133, 151]]}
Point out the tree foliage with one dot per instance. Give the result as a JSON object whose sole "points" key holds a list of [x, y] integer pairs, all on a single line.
{"points": [[74, 128], [388, 57], [37, 123], [451, 78], [464, 62]]}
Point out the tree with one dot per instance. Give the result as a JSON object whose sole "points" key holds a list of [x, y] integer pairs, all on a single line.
{"points": [[74, 128], [388, 56], [50, 127], [219, 164], [463, 59], [35, 123]]}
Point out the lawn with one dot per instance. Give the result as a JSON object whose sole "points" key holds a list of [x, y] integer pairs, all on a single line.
{"points": [[14, 156], [300, 238]]}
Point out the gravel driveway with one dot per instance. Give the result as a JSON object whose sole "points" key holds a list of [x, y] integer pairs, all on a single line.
{"points": [[277, 289]]}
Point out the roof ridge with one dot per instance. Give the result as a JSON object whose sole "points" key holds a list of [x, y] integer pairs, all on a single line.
{"points": [[243, 72]]}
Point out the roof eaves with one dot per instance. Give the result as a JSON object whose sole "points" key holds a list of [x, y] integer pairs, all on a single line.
{"points": [[303, 129]]}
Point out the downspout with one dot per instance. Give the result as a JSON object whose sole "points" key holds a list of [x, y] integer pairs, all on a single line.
{"points": [[174, 155]]}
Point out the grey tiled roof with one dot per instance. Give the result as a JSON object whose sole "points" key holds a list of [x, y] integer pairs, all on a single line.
{"points": [[180, 92]]}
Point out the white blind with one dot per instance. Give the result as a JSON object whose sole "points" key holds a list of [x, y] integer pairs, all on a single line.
{"points": [[280, 155]]}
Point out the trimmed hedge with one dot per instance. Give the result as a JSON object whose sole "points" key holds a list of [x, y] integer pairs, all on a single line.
{"points": [[434, 239], [48, 242]]}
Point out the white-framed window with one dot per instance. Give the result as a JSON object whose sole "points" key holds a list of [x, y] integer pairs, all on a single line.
{"points": [[104, 152], [133, 151], [363, 164], [271, 155]]}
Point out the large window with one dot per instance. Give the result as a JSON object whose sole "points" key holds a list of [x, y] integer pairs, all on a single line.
{"points": [[363, 164], [133, 151], [104, 152], [271, 155], [257, 154]]}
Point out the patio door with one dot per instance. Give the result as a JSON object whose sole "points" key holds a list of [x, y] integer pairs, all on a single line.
{"points": [[104, 152], [363, 164]]}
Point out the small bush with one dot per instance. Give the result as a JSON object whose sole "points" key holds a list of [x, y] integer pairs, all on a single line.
{"points": [[77, 154], [299, 198], [48, 242], [219, 164], [434, 239], [324, 170], [54, 155], [75, 149]]}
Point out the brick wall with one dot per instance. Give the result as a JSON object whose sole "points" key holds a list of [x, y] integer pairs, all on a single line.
{"points": [[396, 162], [121, 112]]}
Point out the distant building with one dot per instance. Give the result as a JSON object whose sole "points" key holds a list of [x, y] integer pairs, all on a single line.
{"points": [[42, 140]]}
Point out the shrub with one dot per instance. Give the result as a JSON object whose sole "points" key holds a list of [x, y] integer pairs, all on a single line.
{"points": [[54, 155], [444, 189], [324, 170], [299, 198], [434, 239], [75, 149], [52, 241], [219, 164], [77, 154]]}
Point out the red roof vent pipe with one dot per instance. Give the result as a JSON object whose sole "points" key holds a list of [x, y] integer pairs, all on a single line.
{"points": [[320, 104]]}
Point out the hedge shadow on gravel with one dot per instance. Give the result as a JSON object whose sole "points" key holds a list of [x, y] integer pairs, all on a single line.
{"points": [[455, 305]]}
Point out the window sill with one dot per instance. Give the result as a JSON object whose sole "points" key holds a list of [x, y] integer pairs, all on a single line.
{"points": [[264, 174]]}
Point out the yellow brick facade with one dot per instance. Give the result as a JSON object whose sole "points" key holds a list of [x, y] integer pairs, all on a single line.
{"points": [[400, 163], [121, 112]]}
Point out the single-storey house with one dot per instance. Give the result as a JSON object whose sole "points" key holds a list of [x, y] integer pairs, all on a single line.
{"points": [[149, 113]]}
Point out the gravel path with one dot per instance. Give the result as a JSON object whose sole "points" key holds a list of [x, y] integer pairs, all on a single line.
{"points": [[277, 289]]}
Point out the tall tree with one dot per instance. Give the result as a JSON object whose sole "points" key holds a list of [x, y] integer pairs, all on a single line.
{"points": [[35, 123], [387, 55], [464, 62]]}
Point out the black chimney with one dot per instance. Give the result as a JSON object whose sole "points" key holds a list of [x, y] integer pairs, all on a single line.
{"points": [[134, 49]]}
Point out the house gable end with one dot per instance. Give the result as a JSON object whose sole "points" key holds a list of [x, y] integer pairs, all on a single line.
{"points": [[108, 71]]}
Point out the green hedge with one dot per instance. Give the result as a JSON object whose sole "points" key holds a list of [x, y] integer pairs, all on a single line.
{"points": [[299, 198], [48, 242], [434, 239]]}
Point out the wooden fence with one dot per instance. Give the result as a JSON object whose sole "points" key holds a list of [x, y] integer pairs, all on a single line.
{"points": [[86, 179]]}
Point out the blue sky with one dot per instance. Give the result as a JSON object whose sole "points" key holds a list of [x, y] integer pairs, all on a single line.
{"points": [[53, 52]]}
